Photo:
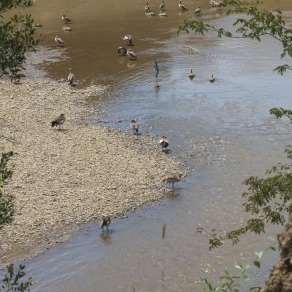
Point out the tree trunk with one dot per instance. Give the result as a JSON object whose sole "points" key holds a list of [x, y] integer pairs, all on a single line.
{"points": [[280, 279]]}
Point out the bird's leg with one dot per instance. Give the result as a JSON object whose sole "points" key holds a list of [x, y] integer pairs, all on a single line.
{"points": [[173, 185]]}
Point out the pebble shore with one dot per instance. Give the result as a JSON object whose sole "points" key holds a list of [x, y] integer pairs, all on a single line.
{"points": [[65, 178]]}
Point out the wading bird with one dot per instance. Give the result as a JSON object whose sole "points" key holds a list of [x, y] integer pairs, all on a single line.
{"points": [[198, 11], [59, 41], [215, 3], [128, 39], [182, 7], [149, 13], [59, 121], [66, 28], [122, 51], [131, 55], [161, 13], [147, 7], [156, 69], [162, 6], [212, 78], [134, 127], [105, 222], [172, 179], [65, 19], [191, 75]]}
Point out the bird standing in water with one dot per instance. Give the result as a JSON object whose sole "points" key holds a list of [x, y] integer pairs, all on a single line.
{"points": [[59, 41], [105, 222], [59, 121], [134, 127], [147, 7], [156, 69], [198, 11], [162, 6], [131, 55], [172, 179], [182, 7], [128, 39], [191, 75], [212, 78], [164, 143], [122, 51], [65, 19]]}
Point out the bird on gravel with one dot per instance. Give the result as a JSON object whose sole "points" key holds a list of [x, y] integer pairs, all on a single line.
{"points": [[134, 127], [71, 77], [172, 179], [59, 121], [163, 143], [105, 222]]}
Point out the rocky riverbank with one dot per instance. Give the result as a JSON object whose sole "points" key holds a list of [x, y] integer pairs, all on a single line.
{"points": [[64, 178]]}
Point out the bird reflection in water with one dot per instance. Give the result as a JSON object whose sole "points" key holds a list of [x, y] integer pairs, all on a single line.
{"points": [[106, 239]]}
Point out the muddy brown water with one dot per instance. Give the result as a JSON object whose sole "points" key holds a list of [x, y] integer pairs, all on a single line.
{"points": [[223, 131]]}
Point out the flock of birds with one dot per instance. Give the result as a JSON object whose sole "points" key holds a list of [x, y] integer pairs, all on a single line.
{"points": [[122, 51]]}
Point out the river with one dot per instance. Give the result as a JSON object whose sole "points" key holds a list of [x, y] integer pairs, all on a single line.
{"points": [[221, 130]]}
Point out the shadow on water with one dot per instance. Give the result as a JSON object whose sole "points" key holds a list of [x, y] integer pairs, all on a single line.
{"points": [[222, 131]]}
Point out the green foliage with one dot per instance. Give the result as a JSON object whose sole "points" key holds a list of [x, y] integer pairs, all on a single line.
{"points": [[280, 112], [254, 25], [12, 281], [16, 36], [230, 282], [6, 200]]}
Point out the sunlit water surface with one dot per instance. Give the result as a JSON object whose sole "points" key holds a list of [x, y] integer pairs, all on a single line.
{"points": [[222, 131]]}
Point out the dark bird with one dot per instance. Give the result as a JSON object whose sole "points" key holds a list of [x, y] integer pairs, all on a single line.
{"points": [[172, 179], [163, 143], [65, 19], [59, 121], [122, 51], [71, 77], [105, 222], [198, 11], [134, 127], [128, 39], [156, 68], [59, 41], [182, 7], [212, 78], [191, 75]]}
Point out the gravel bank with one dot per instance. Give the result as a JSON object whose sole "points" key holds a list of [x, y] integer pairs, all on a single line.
{"points": [[69, 177]]}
